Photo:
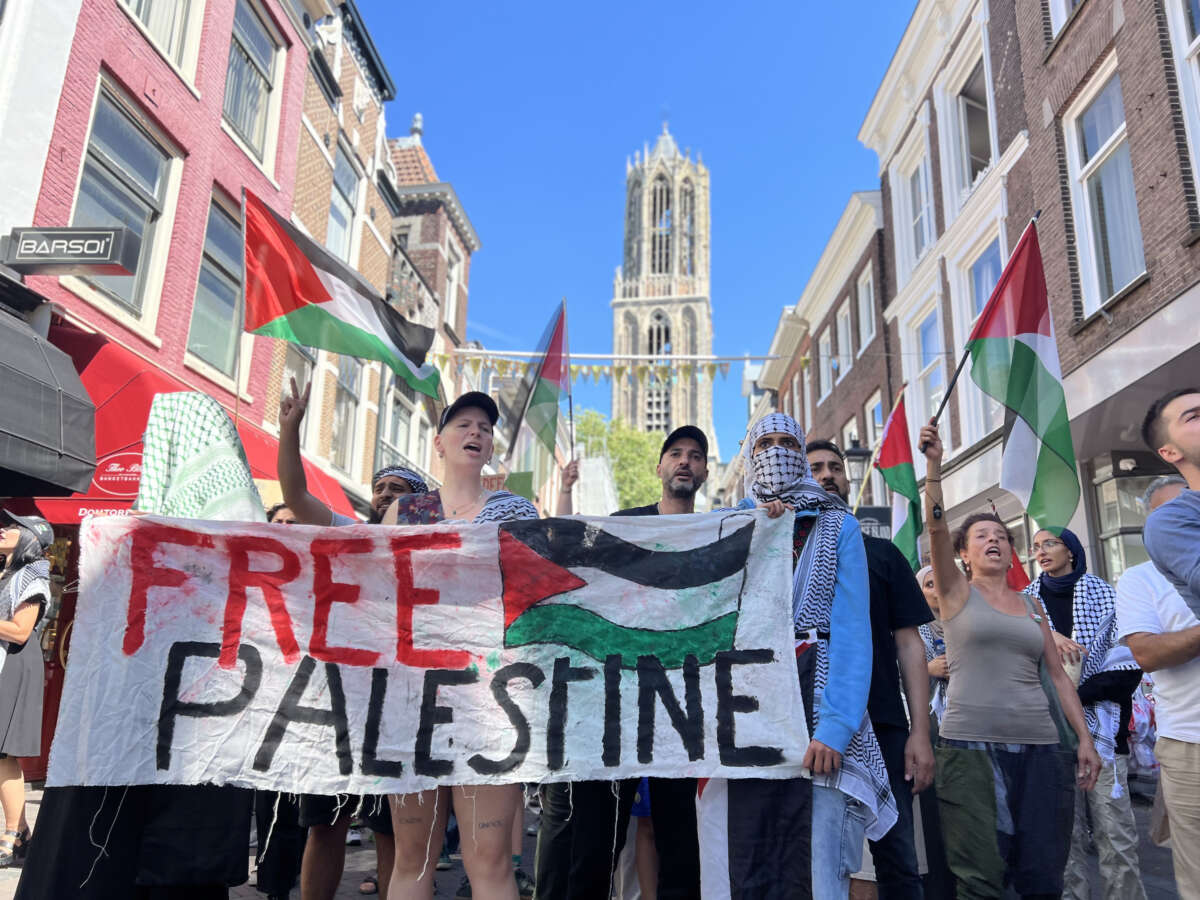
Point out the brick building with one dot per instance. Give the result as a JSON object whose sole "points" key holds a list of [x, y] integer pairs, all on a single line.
{"points": [[345, 199]]}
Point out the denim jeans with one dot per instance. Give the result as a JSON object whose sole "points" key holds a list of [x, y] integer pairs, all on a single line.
{"points": [[838, 826]]}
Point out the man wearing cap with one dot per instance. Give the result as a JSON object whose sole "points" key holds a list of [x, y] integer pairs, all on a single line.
{"points": [[584, 823], [328, 818]]}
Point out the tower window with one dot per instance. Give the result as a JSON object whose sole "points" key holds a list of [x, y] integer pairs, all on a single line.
{"points": [[660, 335], [687, 216], [633, 232], [660, 245]]}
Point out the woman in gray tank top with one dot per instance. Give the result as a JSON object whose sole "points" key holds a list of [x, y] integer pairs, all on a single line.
{"points": [[1005, 783]]}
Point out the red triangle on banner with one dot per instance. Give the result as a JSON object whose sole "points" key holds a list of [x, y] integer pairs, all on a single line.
{"points": [[529, 577]]}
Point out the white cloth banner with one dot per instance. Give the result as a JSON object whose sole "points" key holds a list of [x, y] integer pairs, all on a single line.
{"points": [[366, 659]]}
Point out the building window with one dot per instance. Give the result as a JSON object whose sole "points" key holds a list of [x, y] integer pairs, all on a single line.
{"points": [[345, 411], [920, 210], [984, 275], [342, 201], [397, 432], [166, 20], [975, 136], [687, 208], [797, 411], [658, 392], [660, 236], [423, 444], [1060, 11], [299, 363], [808, 406], [453, 272], [845, 343], [849, 434], [873, 416], [250, 77], [123, 185], [215, 331], [824, 365], [866, 310], [401, 238], [1106, 219], [930, 376], [1183, 17]]}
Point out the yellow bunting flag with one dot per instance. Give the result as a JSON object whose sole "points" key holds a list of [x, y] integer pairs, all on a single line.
{"points": [[598, 371], [710, 369], [724, 369], [642, 372], [475, 363], [619, 372]]}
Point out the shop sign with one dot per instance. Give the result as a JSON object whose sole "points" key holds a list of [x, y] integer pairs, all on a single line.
{"points": [[71, 251], [876, 521], [118, 474]]}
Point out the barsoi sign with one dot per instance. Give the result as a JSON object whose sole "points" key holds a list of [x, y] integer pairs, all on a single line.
{"points": [[64, 251], [367, 659]]}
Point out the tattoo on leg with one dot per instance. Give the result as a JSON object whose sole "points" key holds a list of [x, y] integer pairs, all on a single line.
{"points": [[493, 823], [410, 820]]}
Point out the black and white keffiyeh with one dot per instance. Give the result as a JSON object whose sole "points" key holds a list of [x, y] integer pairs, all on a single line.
{"points": [[415, 481], [1093, 606], [785, 475], [20, 585]]}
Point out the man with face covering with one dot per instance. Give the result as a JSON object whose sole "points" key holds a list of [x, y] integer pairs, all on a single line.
{"points": [[803, 837]]}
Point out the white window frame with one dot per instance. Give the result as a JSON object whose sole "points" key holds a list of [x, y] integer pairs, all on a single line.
{"points": [[957, 188], [845, 348], [153, 265], [312, 357], [873, 433], [912, 159], [808, 402], [910, 361], [824, 365], [795, 404], [970, 398], [1078, 173], [264, 159], [396, 395], [184, 58], [848, 433], [353, 202], [1060, 11], [1187, 70], [865, 291], [359, 402], [454, 263]]}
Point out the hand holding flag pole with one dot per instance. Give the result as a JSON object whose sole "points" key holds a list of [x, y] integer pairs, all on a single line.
{"points": [[967, 353]]}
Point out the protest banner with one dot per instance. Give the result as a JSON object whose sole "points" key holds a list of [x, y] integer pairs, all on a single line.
{"points": [[367, 659]]}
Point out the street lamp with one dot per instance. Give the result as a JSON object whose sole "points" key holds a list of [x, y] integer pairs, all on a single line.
{"points": [[858, 458]]}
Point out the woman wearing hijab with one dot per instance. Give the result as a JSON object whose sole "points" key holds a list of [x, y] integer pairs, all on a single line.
{"points": [[24, 595], [1004, 781], [1082, 614], [804, 837], [485, 813], [934, 635]]}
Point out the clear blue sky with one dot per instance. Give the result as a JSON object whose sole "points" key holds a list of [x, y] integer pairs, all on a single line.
{"points": [[531, 109]]}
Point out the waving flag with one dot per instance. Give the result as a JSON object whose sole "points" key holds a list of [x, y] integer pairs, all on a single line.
{"points": [[895, 462], [1014, 359], [545, 383], [298, 291], [561, 575]]}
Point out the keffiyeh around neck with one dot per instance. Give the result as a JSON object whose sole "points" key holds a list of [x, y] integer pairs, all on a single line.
{"points": [[779, 473]]}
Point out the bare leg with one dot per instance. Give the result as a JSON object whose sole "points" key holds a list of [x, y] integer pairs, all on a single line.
{"points": [[485, 819], [12, 793], [385, 859], [419, 823], [324, 859], [647, 858]]}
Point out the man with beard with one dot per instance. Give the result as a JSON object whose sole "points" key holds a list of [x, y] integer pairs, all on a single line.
{"points": [[898, 609], [328, 818], [1172, 534], [584, 823]]}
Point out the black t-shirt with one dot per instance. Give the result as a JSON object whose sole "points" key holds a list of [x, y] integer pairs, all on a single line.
{"points": [[651, 510], [896, 602]]}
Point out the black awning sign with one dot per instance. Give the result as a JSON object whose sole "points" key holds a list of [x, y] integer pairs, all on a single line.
{"points": [[66, 251]]}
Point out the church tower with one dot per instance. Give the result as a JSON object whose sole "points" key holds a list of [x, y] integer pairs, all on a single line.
{"points": [[661, 292]]}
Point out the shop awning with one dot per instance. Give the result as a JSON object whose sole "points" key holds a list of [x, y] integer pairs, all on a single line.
{"points": [[45, 416], [122, 385]]}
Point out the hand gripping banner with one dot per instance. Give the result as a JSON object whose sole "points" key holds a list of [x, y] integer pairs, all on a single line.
{"points": [[366, 659]]}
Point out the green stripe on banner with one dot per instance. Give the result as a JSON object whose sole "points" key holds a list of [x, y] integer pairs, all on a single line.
{"points": [[589, 633], [313, 326]]}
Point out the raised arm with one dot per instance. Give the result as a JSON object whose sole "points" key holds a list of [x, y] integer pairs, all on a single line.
{"points": [[570, 475], [948, 579], [307, 508]]}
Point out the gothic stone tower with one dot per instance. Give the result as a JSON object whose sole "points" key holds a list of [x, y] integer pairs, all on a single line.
{"points": [[661, 293]]}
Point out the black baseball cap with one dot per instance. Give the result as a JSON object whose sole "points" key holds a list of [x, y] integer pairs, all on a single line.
{"points": [[685, 431], [41, 529], [470, 400]]}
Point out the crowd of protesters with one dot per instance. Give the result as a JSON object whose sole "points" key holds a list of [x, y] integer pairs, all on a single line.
{"points": [[966, 733]]}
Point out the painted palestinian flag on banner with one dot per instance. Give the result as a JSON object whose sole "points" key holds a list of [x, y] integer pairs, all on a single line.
{"points": [[895, 462], [688, 598], [1014, 360], [298, 291]]}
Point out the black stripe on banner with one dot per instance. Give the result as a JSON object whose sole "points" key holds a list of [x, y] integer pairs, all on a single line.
{"points": [[570, 543]]}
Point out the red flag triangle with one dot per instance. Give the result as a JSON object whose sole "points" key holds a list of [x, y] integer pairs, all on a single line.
{"points": [[529, 577]]}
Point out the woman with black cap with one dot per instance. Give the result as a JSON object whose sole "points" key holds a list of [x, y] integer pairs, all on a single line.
{"points": [[485, 812], [24, 595]]}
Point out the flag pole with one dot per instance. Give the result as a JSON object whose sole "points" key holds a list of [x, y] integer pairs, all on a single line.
{"points": [[962, 362], [862, 488], [570, 381]]}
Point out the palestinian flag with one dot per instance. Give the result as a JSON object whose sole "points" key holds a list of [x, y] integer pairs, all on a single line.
{"points": [[537, 396], [298, 291], [558, 574], [1014, 359], [895, 462]]}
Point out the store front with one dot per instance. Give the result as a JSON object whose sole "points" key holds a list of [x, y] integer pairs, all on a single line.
{"points": [[122, 387]]}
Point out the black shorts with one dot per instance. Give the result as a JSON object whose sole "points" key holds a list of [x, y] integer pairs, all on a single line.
{"points": [[322, 809]]}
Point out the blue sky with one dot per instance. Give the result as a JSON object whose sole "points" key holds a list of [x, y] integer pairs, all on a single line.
{"points": [[532, 108]]}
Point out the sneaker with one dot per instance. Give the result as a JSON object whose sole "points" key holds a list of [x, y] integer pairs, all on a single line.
{"points": [[443, 862], [525, 884], [464, 889], [353, 838]]}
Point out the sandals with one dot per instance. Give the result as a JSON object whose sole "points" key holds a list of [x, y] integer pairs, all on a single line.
{"points": [[13, 846], [370, 885]]}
